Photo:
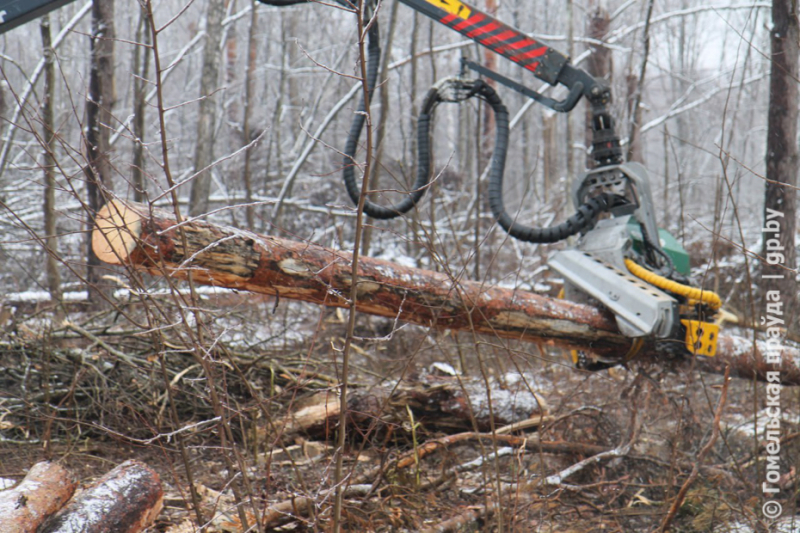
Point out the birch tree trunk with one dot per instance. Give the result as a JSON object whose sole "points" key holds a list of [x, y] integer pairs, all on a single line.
{"points": [[207, 109], [252, 56]]}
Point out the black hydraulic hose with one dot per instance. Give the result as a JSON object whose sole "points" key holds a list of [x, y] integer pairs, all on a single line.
{"points": [[354, 190], [582, 219]]}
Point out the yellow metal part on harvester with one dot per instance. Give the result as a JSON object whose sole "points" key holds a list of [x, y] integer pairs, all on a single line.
{"points": [[701, 337], [709, 298]]}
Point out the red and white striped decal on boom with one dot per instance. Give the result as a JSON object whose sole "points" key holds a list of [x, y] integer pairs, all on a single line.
{"points": [[493, 34]]}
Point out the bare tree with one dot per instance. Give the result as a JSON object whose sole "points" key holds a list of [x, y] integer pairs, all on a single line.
{"points": [[141, 64], [48, 134], [206, 112], [635, 92], [252, 56], [99, 104], [780, 200], [600, 64]]}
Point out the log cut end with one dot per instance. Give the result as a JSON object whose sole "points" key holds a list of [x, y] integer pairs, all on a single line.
{"points": [[114, 235]]}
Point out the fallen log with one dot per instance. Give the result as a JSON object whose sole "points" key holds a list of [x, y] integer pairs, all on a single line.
{"points": [[437, 404], [150, 239], [45, 489], [125, 500]]}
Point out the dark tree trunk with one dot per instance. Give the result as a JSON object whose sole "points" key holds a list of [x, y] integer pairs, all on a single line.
{"points": [[98, 118], [600, 64], [635, 92], [141, 66], [48, 138], [249, 103], [439, 404], [780, 201]]}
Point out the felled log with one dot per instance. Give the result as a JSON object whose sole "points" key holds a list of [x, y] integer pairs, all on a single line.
{"points": [[437, 405], [45, 489], [150, 239], [126, 500]]}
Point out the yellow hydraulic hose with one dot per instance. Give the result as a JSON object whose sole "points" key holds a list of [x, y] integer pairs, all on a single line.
{"points": [[709, 298]]}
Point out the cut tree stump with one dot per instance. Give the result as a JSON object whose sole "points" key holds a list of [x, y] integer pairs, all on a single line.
{"points": [[150, 239], [45, 489], [126, 500]]}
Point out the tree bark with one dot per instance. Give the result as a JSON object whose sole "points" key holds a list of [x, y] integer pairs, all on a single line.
{"points": [[126, 500], [147, 239], [438, 404], [141, 67], [48, 137], [599, 64], [207, 109], [780, 202], [98, 118], [635, 149], [549, 152], [45, 489], [249, 93]]}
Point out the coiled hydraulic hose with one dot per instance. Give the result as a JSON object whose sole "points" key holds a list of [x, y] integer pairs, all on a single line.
{"points": [[709, 298], [432, 99], [582, 219]]}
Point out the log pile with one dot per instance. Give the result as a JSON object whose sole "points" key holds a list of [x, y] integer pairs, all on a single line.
{"points": [[126, 500], [45, 489], [152, 240]]}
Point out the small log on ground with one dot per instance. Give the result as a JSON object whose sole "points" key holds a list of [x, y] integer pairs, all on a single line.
{"points": [[45, 489], [126, 500], [438, 405], [151, 239]]}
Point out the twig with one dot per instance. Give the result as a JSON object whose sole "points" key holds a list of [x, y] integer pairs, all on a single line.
{"points": [[296, 508], [110, 349], [557, 480], [530, 443], [676, 504], [339, 481]]}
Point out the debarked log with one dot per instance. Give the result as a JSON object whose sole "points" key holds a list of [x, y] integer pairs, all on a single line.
{"points": [[151, 239], [43, 491], [125, 500]]}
